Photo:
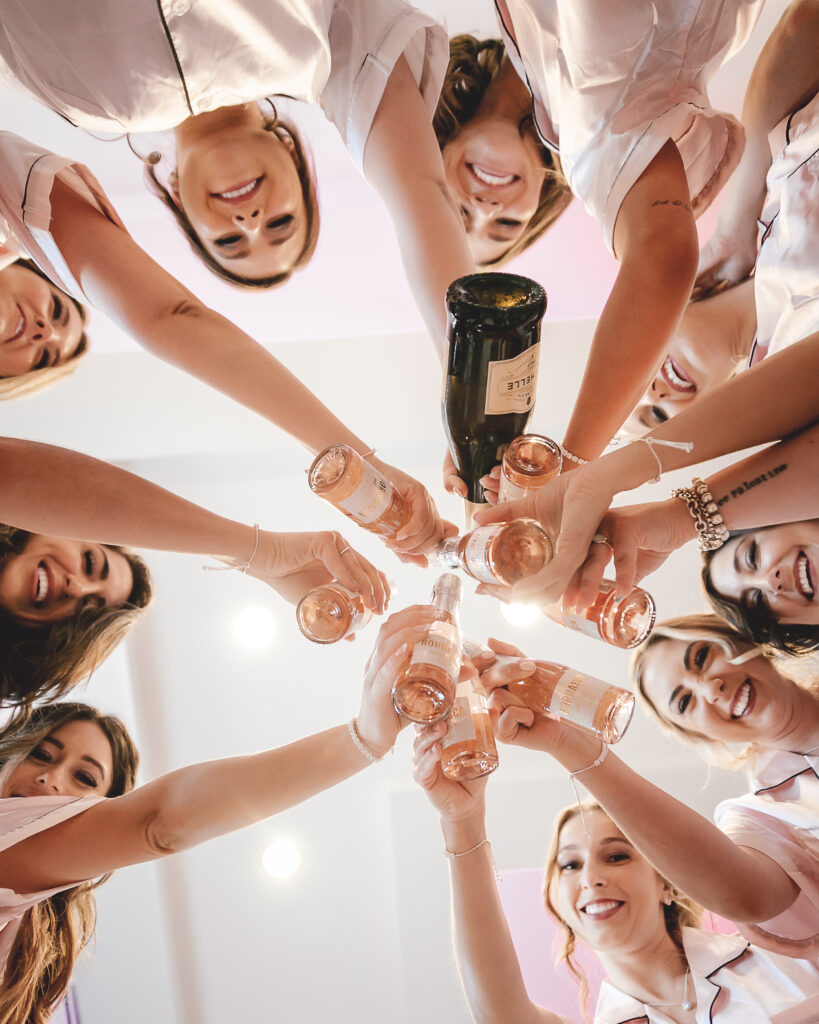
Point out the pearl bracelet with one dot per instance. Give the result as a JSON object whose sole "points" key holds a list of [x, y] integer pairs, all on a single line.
{"points": [[564, 451], [360, 745]]}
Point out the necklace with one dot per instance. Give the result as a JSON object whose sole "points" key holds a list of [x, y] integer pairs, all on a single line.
{"points": [[686, 1003]]}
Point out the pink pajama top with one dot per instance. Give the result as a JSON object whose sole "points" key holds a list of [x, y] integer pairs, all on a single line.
{"points": [[611, 83], [21, 817], [780, 818]]}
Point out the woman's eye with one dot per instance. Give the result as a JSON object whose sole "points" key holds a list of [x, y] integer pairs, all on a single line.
{"points": [[507, 223], [658, 415], [569, 865], [701, 655], [40, 754], [280, 222], [57, 307], [43, 361], [87, 779], [88, 562], [683, 703], [618, 858], [757, 602], [752, 554], [227, 240]]}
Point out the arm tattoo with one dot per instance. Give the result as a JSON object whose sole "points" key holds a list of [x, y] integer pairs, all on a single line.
{"points": [[748, 485], [671, 202]]}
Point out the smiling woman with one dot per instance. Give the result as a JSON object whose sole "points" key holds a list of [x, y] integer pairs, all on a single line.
{"points": [[764, 582], [64, 605]]}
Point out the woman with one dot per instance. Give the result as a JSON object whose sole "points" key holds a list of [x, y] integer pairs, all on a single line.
{"points": [[57, 213], [42, 337], [375, 69], [623, 100], [77, 821], [604, 893], [764, 582], [58, 493], [759, 866]]}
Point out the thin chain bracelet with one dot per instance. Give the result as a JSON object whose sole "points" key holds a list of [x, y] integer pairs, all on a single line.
{"points": [[239, 568], [450, 855]]}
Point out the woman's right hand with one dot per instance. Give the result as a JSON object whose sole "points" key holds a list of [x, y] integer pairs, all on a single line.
{"points": [[726, 259], [293, 563]]}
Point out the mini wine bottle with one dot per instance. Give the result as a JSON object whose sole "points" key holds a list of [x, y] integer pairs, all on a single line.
{"points": [[425, 691], [500, 553], [490, 380], [328, 613], [622, 623], [469, 749], [342, 477], [529, 463]]}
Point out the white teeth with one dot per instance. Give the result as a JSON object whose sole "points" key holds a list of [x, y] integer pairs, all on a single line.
{"points": [[674, 377], [235, 193], [42, 586], [741, 702], [804, 577], [600, 907], [492, 179]]}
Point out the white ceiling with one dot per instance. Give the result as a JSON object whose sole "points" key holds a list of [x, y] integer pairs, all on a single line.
{"points": [[361, 932]]}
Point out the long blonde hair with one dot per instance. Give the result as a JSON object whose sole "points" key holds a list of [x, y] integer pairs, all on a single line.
{"points": [[681, 912], [52, 934]]}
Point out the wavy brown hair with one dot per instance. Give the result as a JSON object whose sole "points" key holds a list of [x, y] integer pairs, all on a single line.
{"points": [[52, 934], [46, 661], [286, 131], [681, 913], [37, 380], [473, 64]]}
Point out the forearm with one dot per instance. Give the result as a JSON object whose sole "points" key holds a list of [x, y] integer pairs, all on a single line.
{"points": [[489, 968], [197, 803], [687, 849], [56, 491]]}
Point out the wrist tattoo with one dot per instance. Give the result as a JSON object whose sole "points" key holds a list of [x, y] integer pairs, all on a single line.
{"points": [[671, 202], [748, 485]]}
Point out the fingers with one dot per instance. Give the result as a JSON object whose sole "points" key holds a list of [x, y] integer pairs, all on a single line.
{"points": [[491, 484], [523, 509], [353, 570], [497, 676], [585, 583], [452, 482], [625, 565], [426, 754], [502, 647]]}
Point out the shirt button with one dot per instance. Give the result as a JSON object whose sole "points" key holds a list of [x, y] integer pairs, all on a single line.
{"points": [[180, 7]]}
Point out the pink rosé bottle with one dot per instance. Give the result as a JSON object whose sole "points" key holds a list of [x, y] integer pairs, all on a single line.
{"points": [[342, 477], [328, 613], [529, 463], [500, 553]]}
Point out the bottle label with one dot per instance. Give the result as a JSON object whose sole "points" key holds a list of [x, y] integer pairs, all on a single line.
{"points": [[371, 499], [460, 723], [511, 383], [476, 552], [580, 623], [441, 647], [577, 698], [509, 491]]}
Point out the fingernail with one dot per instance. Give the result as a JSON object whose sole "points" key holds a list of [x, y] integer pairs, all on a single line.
{"points": [[402, 649], [527, 665]]}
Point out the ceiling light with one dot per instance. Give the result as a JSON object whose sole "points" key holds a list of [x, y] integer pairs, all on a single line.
{"points": [[281, 859], [254, 627], [520, 614]]}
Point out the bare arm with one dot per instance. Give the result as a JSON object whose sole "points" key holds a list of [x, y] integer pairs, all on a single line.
{"points": [[403, 162], [194, 804], [489, 968], [656, 242]]}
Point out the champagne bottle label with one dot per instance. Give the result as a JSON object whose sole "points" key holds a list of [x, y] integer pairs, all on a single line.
{"points": [[475, 552], [580, 623], [509, 491], [371, 499], [441, 647], [577, 698], [460, 725], [511, 383]]}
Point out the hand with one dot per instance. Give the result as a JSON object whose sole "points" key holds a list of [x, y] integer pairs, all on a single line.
{"points": [[491, 484], [293, 563], [452, 482], [640, 538], [726, 259], [569, 508], [425, 527], [377, 720]]}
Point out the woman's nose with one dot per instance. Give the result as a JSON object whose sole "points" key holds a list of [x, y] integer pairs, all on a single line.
{"points": [[713, 688], [249, 220], [49, 778], [42, 329]]}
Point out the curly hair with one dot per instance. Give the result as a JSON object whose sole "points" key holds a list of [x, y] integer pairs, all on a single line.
{"points": [[37, 380], [473, 65], [38, 662], [758, 625], [681, 913], [303, 160], [52, 934]]}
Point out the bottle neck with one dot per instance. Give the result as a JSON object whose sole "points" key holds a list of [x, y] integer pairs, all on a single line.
{"points": [[446, 554], [446, 596]]}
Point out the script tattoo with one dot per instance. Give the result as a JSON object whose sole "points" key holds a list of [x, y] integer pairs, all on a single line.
{"points": [[671, 202], [747, 485]]}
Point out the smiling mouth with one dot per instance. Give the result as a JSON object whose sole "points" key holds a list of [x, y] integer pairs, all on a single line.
{"points": [[803, 577], [19, 329], [487, 177], [743, 701], [600, 910], [239, 193], [674, 376], [40, 588]]}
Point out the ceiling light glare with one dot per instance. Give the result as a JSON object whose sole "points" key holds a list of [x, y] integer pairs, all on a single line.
{"points": [[520, 614], [281, 859], [254, 627]]}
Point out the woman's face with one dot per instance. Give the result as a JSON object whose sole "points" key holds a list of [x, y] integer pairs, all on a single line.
{"points": [[52, 577], [606, 892], [495, 176], [74, 760], [39, 325], [240, 188], [772, 571], [693, 685]]}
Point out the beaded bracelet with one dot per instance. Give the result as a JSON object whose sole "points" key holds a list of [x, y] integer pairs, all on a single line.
{"points": [[564, 451], [360, 745], [712, 532]]}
